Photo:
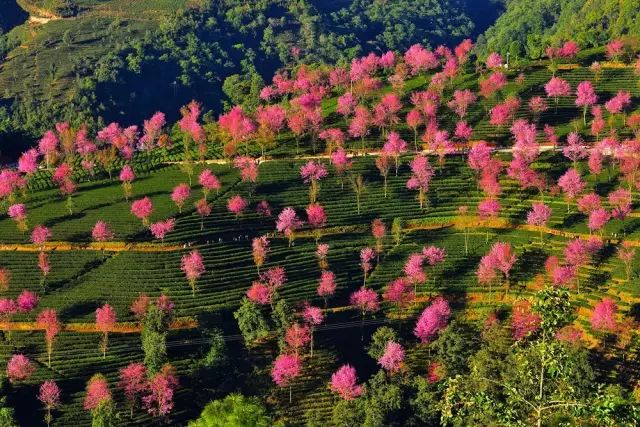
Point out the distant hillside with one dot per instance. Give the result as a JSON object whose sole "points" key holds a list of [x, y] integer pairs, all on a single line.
{"points": [[527, 27], [117, 58]]}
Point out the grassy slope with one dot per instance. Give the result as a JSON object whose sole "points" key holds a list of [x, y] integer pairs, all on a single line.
{"points": [[81, 281]]}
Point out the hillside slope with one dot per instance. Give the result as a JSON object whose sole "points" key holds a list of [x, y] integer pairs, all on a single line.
{"points": [[115, 58], [527, 27]]}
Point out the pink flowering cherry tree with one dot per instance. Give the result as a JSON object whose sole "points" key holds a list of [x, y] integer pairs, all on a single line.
{"points": [[49, 394], [18, 213], [285, 369], [366, 301], [421, 175], [180, 195], [432, 320], [392, 358], [260, 249], [48, 321], [192, 265], [160, 229], [344, 383], [126, 177], [326, 285], [237, 205], [101, 232], [312, 316], [312, 173], [105, 321], [287, 223], [539, 216], [19, 368], [209, 182], [142, 209]]}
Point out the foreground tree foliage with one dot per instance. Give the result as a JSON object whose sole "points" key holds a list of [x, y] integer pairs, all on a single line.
{"points": [[235, 410]]}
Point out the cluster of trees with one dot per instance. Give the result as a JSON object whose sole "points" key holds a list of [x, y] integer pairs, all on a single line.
{"points": [[525, 29]]}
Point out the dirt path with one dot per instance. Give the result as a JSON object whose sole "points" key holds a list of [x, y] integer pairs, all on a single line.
{"points": [[90, 328], [106, 247]]}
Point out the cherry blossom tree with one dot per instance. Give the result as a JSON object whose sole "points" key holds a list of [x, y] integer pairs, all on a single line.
{"points": [[585, 97], [203, 209], [344, 383], [461, 101], [359, 125], [140, 305], [434, 255], [442, 146], [192, 264], [209, 182], [126, 177], [571, 184], [413, 269], [421, 174], [236, 205], [18, 213], [142, 209], [366, 301], [341, 163], [160, 391], [537, 105], [312, 173], [576, 254], [27, 301], [395, 147], [19, 368], [414, 120], [618, 104], [494, 60], [40, 235], [105, 321], [378, 230], [101, 232], [366, 258], [603, 318], [316, 218], [626, 253], [297, 336], [399, 292], [48, 320], [523, 321], [248, 168], [488, 208], [98, 398], [557, 87], [313, 316], [238, 127], [326, 285], [575, 149], [180, 195], [432, 320], [260, 250], [598, 219], [133, 382], [49, 395], [160, 229], [285, 369], [44, 266], [393, 357], [322, 252], [287, 223], [539, 215]]}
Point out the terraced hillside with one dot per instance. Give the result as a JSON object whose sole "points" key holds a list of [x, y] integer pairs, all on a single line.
{"points": [[86, 275]]}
